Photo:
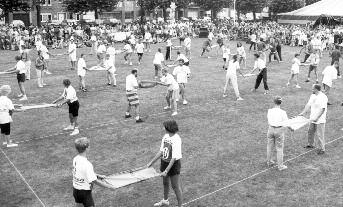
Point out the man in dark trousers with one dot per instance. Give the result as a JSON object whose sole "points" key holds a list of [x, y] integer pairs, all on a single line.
{"points": [[335, 56]]}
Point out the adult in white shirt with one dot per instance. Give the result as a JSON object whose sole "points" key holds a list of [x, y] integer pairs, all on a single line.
{"points": [[72, 53], [170, 154], [132, 95], [20, 69], [181, 56], [182, 72], [261, 66], [173, 92], [158, 61], [329, 74], [111, 70], [84, 176], [128, 53], [81, 72], [231, 76], [6, 111], [295, 70], [318, 107], [69, 97], [276, 133], [140, 51], [188, 43]]}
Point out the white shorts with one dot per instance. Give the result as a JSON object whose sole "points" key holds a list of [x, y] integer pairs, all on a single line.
{"points": [[294, 70], [81, 73], [72, 58], [112, 71]]}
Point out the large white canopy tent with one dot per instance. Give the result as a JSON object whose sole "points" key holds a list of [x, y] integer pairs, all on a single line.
{"points": [[311, 13]]}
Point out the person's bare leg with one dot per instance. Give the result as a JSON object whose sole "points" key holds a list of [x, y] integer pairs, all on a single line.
{"points": [[165, 187], [176, 185]]}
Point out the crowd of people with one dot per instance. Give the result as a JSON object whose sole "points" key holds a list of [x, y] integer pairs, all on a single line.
{"points": [[263, 38]]}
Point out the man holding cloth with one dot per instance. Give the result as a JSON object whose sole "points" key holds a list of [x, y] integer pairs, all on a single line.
{"points": [[318, 107]]}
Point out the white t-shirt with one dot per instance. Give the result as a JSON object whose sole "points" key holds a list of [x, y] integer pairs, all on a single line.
{"points": [[140, 48], [44, 51], [171, 147], [182, 57], [131, 82], [72, 46], [253, 38], [188, 42], [109, 65], [20, 66], [101, 49], [158, 59], [232, 68], [210, 36], [147, 36], [241, 52], [5, 106], [83, 173], [111, 51], [226, 53], [128, 48], [181, 73], [259, 64], [93, 38], [70, 93], [170, 80], [81, 64], [296, 65], [317, 103], [276, 116], [329, 74]]}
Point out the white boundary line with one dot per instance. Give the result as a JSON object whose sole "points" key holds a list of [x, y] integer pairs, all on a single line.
{"points": [[254, 175], [22, 177]]}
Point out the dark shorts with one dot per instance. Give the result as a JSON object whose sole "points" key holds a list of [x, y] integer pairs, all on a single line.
{"points": [[174, 170], [5, 128], [140, 54], [74, 108], [21, 78], [313, 67], [186, 63], [224, 59], [84, 197]]}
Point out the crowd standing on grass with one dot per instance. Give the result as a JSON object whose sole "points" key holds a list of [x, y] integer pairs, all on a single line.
{"points": [[264, 39]]}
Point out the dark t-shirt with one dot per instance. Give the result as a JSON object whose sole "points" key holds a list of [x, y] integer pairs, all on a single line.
{"points": [[336, 54]]}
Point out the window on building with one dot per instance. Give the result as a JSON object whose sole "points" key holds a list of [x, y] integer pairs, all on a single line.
{"points": [[46, 17], [47, 2], [70, 16], [129, 14]]}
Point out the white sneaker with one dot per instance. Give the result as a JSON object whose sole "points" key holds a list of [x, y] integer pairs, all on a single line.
{"points": [[40, 86], [177, 100], [224, 95], [162, 203], [174, 113], [240, 99], [184, 102], [125, 62], [20, 95], [282, 167], [4, 143], [24, 98], [287, 84], [339, 76], [48, 72], [44, 84], [75, 132], [12, 145], [167, 107], [130, 64], [297, 86], [70, 127]]}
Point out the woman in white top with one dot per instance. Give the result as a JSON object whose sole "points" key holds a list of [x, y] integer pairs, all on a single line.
{"points": [[170, 155], [69, 97], [231, 76], [295, 70]]}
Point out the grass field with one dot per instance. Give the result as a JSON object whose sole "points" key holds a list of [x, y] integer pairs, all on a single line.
{"points": [[224, 141]]}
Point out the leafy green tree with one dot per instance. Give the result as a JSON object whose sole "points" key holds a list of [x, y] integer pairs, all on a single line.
{"points": [[9, 6], [214, 5], [98, 6], [281, 6], [254, 6], [308, 2]]}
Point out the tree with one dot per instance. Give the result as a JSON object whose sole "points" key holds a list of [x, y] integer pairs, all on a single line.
{"points": [[214, 5], [9, 6], [149, 6], [308, 2], [280, 6], [37, 4], [254, 6], [98, 6]]}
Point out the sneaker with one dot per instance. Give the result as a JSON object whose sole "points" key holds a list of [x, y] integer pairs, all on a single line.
{"points": [[139, 120], [240, 99], [114, 85], [84, 90], [282, 167], [109, 84], [48, 72], [224, 95], [287, 84], [70, 127], [20, 95], [270, 163], [297, 86], [130, 64], [44, 84], [307, 81], [266, 92], [162, 203], [24, 98], [320, 152], [128, 116], [339, 76], [184, 102], [75, 132], [125, 62], [174, 113], [40, 86], [167, 107], [4, 143], [309, 147], [317, 81], [12, 145], [253, 90]]}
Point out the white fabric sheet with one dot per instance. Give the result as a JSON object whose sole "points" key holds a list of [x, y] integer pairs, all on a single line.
{"points": [[296, 123]]}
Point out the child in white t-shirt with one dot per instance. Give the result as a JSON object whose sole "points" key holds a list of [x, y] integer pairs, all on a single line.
{"points": [[295, 70], [182, 72], [81, 72]]}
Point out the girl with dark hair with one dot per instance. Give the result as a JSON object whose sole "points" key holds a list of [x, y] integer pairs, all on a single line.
{"points": [[69, 97], [231, 76], [170, 154]]}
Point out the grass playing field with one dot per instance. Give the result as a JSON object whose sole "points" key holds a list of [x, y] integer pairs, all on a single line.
{"points": [[224, 141]]}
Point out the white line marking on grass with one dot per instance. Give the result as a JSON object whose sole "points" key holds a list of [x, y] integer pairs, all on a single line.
{"points": [[254, 175], [22, 177]]}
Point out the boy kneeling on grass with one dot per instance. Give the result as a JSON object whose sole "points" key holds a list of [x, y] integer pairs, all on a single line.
{"points": [[84, 176], [6, 111]]}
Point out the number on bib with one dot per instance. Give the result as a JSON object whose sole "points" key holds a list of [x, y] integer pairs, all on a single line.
{"points": [[165, 153]]}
